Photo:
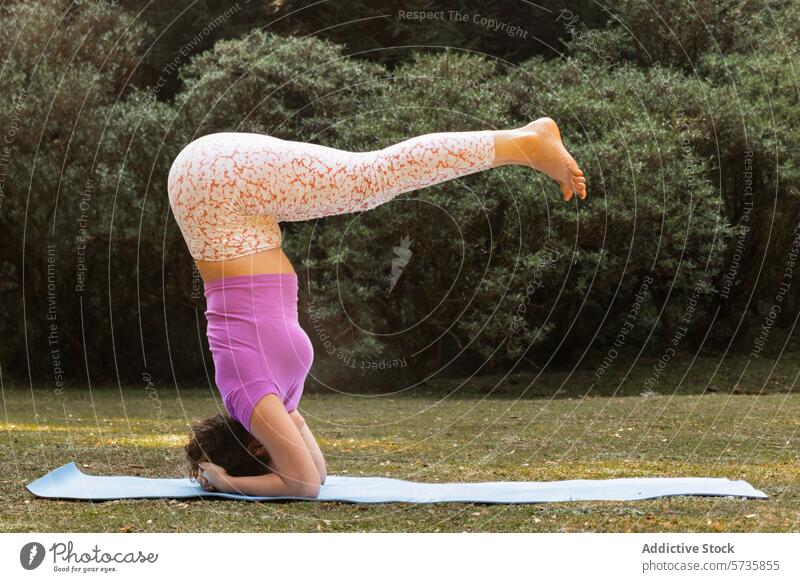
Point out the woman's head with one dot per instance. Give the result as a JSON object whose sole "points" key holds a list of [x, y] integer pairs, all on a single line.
{"points": [[225, 442]]}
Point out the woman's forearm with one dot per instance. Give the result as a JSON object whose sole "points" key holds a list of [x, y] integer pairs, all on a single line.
{"points": [[311, 445], [316, 453], [272, 485]]}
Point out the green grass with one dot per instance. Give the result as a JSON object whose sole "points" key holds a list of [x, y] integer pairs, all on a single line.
{"points": [[464, 437]]}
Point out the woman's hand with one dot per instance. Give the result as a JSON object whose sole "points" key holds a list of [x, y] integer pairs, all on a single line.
{"points": [[212, 477]]}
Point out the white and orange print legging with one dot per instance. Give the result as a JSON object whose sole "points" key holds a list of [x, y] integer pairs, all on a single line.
{"points": [[229, 191]]}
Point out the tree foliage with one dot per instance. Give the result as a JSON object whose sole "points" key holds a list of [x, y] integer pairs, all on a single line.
{"points": [[683, 117]]}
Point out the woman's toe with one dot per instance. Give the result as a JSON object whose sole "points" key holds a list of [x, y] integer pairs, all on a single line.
{"points": [[566, 191], [579, 185]]}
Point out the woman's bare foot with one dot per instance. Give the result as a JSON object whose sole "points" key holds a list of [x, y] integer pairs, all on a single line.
{"points": [[543, 151]]}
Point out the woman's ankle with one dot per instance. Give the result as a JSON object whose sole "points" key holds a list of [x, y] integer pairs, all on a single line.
{"points": [[512, 147]]}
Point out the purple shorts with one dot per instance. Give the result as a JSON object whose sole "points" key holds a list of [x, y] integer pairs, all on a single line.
{"points": [[256, 341]]}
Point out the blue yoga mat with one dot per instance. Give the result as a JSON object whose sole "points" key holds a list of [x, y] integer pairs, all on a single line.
{"points": [[67, 482]]}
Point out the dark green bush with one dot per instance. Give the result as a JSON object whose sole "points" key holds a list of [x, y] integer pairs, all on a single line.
{"points": [[65, 66], [291, 88], [490, 271]]}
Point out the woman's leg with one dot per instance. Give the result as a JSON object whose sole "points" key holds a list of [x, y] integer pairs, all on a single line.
{"points": [[319, 181], [335, 182], [228, 191]]}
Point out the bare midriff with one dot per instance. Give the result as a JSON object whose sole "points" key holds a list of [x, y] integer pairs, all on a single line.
{"points": [[262, 262]]}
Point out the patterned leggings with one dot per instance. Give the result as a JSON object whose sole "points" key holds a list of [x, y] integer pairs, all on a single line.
{"points": [[229, 191]]}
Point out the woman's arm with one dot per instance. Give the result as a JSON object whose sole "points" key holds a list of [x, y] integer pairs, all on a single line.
{"points": [[311, 443], [296, 473]]}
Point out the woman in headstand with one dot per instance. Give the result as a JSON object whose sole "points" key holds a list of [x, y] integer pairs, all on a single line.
{"points": [[228, 192]]}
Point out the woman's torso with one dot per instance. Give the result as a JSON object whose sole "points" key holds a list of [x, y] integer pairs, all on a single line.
{"points": [[264, 262], [255, 336]]}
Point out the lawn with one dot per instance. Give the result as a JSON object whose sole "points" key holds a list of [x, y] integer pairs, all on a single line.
{"points": [[477, 433]]}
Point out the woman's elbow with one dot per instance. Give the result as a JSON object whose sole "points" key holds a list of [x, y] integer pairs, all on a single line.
{"points": [[307, 485], [314, 488], [309, 490]]}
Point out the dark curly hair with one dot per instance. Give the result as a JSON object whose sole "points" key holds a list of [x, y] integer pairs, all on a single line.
{"points": [[223, 441]]}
